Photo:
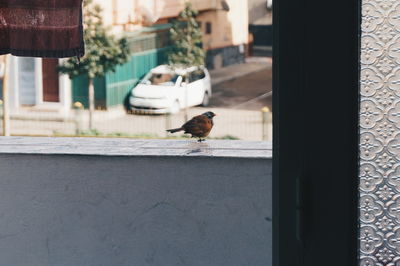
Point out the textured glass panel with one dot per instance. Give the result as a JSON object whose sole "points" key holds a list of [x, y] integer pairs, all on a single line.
{"points": [[380, 133]]}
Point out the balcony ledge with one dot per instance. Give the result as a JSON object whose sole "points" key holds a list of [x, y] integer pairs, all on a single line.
{"points": [[135, 202], [132, 147]]}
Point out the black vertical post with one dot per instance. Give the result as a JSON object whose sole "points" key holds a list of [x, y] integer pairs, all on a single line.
{"points": [[315, 107]]}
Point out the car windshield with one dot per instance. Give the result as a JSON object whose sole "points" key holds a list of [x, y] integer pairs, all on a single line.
{"points": [[165, 79]]}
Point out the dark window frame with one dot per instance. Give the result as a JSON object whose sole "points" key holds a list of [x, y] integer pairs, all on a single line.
{"points": [[316, 114], [208, 28]]}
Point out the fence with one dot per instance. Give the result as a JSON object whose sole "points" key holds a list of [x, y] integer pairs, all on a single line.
{"points": [[229, 124]]}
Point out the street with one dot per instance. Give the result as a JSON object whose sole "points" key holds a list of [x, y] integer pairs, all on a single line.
{"points": [[241, 93]]}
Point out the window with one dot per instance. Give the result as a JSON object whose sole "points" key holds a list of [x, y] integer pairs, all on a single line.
{"points": [[196, 75], [166, 79], [208, 28]]}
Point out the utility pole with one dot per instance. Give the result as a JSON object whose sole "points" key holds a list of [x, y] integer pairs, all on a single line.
{"points": [[6, 106]]}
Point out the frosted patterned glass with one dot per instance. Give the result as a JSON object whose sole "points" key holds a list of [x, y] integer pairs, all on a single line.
{"points": [[380, 133]]}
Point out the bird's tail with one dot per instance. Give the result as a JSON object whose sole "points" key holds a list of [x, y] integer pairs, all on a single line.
{"points": [[175, 130]]}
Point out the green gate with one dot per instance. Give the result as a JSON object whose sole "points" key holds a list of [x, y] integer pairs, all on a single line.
{"points": [[113, 89], [148, 51]]}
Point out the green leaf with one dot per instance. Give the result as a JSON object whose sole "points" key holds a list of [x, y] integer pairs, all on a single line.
{"points": [[186, 38], [104, 52]]}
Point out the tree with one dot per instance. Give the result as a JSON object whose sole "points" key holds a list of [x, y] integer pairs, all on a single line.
{"points": [[104, 52], [186, 38]]}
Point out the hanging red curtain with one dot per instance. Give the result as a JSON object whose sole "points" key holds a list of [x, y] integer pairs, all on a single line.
{"points": [[41, 28]]}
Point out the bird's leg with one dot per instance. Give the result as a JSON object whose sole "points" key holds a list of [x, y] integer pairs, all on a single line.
{"points": [[201, 140]]}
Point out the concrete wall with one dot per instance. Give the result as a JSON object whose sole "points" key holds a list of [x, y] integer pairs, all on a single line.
{"points": [[61, 204], [222, 57]]}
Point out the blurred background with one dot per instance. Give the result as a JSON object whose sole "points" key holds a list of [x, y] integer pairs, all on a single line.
{"points": [[220, 58]]}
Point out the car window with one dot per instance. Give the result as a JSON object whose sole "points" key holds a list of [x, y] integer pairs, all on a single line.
{"points": [[166, 79], [196, 75]]}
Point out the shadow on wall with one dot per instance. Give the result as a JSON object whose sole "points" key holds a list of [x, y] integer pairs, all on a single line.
{"points": [[262, 34]]}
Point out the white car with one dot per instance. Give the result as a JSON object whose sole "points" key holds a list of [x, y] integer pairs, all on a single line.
{"points": [[167, 90]]}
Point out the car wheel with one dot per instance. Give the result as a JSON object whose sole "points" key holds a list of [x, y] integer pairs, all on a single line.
{"points": [[206, 99], [175, 108]]}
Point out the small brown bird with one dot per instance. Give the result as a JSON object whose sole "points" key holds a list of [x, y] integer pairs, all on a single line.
{"points": [[199, 126]]}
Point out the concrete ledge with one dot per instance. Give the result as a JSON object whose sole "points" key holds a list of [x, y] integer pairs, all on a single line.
{"points": [[132, 147], [70, 201]]}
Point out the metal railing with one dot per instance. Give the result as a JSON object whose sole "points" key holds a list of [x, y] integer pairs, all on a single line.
{"points": [[229, 123]]}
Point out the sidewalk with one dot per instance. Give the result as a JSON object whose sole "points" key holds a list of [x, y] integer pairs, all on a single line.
{"points": [[252, 64], [232, 123]]}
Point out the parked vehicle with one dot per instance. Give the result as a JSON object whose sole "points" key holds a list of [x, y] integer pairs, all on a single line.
{"points": [[167, 90]]}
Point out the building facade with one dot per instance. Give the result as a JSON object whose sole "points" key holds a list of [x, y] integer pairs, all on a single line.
{"points": [[224, 23], [35, 82], [260, 20]]}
